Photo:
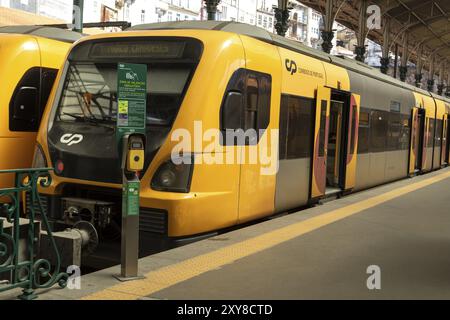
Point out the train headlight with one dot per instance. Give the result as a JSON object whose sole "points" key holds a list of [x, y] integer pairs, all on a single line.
{"points": [[39, 160], [174, 176]]}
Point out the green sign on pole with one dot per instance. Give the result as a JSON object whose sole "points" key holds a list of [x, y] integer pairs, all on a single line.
{"points": [[130, 200], [132, 99]]}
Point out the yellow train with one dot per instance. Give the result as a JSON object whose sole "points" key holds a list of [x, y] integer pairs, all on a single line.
{"points": [[338, 125], [30, 58]]}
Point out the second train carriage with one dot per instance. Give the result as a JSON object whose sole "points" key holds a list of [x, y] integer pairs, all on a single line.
{"points": [[342, 125], [30, 57]]}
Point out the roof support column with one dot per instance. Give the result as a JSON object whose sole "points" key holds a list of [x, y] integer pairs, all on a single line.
{"points": [[403, 64], [282, 17], [384, 60], [440, 86], [77, 15], [447, 93], [430, 82], [419, 66], [360, 48], [327, 33], [211, 8]]}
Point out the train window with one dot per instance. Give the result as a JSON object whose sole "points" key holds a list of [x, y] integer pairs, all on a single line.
{"points": [[48, 77], [364, 118], [252, 103], [265, 88], [394, 132], [363, 131], [430, 132], [295, 127], [395, 106], [378, 129], [30, 98], [354, 128], [323, 121], [283, 127], [405, 133], [437, 139], [255, 88]]}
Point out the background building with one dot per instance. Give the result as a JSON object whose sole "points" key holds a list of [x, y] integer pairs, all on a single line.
{"points": [[305, 23]]}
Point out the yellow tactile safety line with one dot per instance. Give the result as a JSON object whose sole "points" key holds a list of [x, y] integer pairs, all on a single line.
{"points": [[170, 275]]}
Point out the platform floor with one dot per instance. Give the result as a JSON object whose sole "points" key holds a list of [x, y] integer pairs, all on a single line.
{"points": [[318, 253]]}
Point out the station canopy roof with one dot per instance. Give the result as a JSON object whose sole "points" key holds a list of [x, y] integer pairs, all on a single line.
{"points": [[426, 21]]}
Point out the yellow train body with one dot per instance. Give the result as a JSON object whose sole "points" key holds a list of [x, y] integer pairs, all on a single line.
{"points": [[225, 195]]}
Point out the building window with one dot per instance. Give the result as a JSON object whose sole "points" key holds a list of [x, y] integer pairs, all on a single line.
{"points": [[178, 17], [143, 16], [265, 22], [224, 12], [127, 12], [259, 19], [169, 16]]}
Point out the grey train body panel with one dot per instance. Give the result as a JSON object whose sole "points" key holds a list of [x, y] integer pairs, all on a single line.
{"points": [[292, 184], [375, 168]]}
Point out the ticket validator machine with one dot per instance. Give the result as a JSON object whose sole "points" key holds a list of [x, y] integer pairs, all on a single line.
{"points": [[133, 156]]}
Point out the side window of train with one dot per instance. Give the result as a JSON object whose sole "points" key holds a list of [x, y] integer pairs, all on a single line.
{"points": [[246, 105], [437, 138], [406, 131], [394, 132], [29, 99], [363, 131], [378, 129], [296, 123]]}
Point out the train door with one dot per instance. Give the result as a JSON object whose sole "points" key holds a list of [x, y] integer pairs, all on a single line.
{"points": [[445, 142], [335, 142], [334, 152], [423, 140], [320, 144], [351, 154], [416, 140]]}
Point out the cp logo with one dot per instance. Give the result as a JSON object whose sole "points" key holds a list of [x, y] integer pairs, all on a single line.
{"points": [[291, 66], [71, 139]]}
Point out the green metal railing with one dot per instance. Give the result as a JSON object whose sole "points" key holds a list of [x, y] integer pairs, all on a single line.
{"points": [[18, 259]]}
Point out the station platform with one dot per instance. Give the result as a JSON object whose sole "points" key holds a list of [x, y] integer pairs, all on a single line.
{"points": [[318, 253]]}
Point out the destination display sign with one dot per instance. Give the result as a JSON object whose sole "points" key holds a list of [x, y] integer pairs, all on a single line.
{"points": [[138, 49]]}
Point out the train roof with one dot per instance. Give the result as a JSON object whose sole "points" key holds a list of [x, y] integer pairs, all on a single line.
{"points": [[264, 35], [44, 32]]}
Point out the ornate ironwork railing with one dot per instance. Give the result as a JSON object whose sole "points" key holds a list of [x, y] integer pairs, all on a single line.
{"points": [[18, 257]]}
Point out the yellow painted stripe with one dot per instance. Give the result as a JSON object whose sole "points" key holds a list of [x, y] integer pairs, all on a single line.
{"points": [[170, 275]]}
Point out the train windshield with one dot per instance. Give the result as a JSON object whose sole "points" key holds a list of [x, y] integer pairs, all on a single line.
{"points": [[90, 88]]}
